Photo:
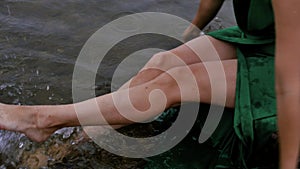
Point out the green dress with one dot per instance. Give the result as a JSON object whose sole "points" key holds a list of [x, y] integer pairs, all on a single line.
{"points": [[246, 136]]}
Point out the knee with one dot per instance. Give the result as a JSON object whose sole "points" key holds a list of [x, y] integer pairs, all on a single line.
{"points": [[173, 76], [168, 85], [159, 61], [165, 80]]}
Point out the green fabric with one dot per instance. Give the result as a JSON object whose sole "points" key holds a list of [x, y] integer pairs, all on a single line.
{"points": [[255, 18], [245, 136]]}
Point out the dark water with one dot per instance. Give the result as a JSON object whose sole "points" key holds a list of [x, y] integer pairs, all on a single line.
{"points": [[39, 44]]}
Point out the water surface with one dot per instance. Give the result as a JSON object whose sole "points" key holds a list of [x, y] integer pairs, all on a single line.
{"points": [[39, 44]]}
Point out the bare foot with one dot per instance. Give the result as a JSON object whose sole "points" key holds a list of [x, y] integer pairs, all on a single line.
{"points": [[25, 119]]}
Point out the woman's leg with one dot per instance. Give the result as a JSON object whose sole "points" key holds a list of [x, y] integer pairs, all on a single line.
{"points": [[201, 49], [38, 122]]}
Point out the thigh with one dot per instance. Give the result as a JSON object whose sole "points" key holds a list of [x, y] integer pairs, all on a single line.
{"points": [[203, 49], [207, 82]]}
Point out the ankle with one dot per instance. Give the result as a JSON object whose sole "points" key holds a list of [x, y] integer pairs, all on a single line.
{"points": [[46, 118], [43, 118]]}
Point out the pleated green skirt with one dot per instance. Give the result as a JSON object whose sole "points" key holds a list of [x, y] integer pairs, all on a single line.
{"points": [[246, 136]]}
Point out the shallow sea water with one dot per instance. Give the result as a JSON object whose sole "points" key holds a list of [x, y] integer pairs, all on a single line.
{"points": [[39, 44]]}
